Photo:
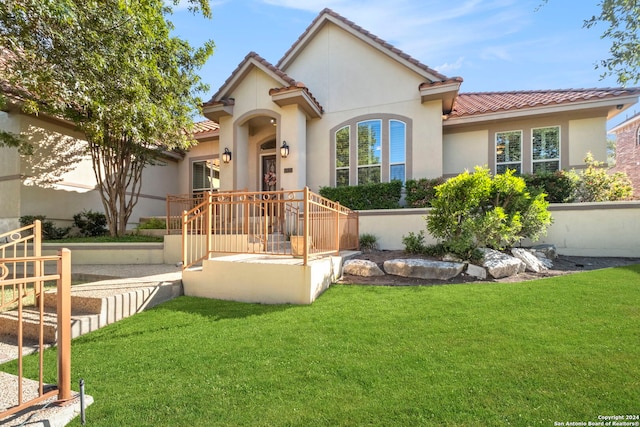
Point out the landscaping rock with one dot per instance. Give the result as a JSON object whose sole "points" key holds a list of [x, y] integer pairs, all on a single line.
{"points": [[501, 265], [423, 269], [548, 250], [476, 271], [532, 262], [362, 267]]}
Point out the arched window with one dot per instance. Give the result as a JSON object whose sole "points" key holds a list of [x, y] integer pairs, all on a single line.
{"points": [[371, 149]]}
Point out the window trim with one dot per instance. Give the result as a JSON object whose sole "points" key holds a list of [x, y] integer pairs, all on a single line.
{"points": [[385, 144], [201, 159], [495, 150], [559, 158], [403, 163], [368, 166]]}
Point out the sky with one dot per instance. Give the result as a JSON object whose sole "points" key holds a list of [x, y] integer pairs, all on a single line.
{"points": [[494, 45]]}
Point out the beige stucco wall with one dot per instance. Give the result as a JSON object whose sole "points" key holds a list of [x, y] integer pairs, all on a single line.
{"points": [[465, 150], [350, 79], [9, 176], [588, 135], [578, 229]]}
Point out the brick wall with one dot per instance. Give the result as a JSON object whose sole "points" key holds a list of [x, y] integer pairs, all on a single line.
{"points": [[628, 152]]}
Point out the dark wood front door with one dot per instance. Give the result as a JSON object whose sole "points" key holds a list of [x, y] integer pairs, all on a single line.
{"points": [[269, 175]]}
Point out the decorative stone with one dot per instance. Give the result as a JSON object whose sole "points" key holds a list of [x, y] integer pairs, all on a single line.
{"points": [[362, 267], [548, 250], [476, 271], [500, 265], [451, 258], [531, 261], [423, 269]]}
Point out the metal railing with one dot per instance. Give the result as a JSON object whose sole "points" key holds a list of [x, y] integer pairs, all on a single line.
{"points": [[22, 278], [298, 222], [177, 204]]}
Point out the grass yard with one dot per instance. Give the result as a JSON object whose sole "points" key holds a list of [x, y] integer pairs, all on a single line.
{"points": [[564, 349]]}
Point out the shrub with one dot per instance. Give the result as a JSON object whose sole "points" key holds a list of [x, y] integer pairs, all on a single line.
{"points": [[153, 224], [90, 224], [419, 193], [384, 195], [475, 210], [596, 185], [559, 186], [414, 243], [368, 242], [49, 230]]}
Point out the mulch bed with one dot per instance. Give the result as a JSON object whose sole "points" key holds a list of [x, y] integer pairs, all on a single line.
{"points": [[561, 265]]}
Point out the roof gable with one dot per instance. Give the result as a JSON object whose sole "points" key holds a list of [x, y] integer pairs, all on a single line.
{"points": [[328, 15]]}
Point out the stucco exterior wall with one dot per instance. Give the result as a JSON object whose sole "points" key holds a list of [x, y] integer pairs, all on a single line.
{"points": [[587, 135], [9, 176], [579, 229], [464, 150]]}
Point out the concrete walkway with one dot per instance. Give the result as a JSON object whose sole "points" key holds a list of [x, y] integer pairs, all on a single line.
{"points": [[130, 288]]}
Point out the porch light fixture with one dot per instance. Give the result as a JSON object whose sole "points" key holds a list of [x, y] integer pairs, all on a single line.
{"points": [[226, 156], [284, 150]]}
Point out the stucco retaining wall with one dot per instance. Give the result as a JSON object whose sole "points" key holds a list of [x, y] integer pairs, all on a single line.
{"points": [[579, 229]]}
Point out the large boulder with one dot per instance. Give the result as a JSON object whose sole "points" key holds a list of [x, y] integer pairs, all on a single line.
{"points": [[362, 267], [548, 250], [476, 271], [532, 262], [423, 269], [501, 265]]}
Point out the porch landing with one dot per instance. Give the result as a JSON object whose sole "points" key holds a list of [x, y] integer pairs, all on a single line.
{"points": [[266, 279]]}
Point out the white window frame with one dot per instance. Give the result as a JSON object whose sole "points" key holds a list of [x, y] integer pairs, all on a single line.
{"points": [[368, 165], [204, 160], [335, 154], [558, 159], [404, 142], [495, 150]]}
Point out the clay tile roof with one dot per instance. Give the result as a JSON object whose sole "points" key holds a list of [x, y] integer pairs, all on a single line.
{"points": [[204, 127], [251, 55], [297, 86], [365, 33], [468, 104]]}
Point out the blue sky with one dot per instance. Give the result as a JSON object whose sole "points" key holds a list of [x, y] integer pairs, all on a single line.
{"points": [[494, 45]]}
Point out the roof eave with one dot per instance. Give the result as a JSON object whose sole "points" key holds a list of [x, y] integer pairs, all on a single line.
{"points": [[611, 105], [216, 111], [299, 97], [445, 91]]}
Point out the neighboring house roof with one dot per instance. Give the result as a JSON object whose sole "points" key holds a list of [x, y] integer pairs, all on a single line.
{"points": [[483, 104], [328, 15], [205, 127], [628, 121]]}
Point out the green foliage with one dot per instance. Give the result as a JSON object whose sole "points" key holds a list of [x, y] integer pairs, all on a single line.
{"points": [[49, 229], [595, 184], [114, 69], [383, 195], [414, 242], [419, 193], [475, 210], [90, 223], [559, 186], [368, 242], [153, 224]]}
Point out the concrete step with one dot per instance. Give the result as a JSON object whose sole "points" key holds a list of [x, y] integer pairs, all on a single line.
{"points": [[80, 324]]}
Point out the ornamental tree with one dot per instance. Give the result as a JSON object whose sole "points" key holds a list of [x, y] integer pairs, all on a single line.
{"points": [[113, 69]]}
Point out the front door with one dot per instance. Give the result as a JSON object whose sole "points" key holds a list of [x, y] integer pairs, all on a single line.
{"points": [[269, 176]]}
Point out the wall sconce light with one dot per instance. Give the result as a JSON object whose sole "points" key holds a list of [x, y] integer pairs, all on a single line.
{"points": [[284, 150], [226, 156]]}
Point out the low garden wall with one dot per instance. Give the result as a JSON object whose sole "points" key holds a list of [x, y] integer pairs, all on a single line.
{"points": [[606, 229]]}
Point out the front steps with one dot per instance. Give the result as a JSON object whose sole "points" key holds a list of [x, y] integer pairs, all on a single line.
{"points": [[93, 306]]}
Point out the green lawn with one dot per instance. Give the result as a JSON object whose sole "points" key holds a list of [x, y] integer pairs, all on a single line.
{"points": [[561, 349]]}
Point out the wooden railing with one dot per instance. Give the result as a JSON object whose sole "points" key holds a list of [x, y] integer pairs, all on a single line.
{"points": [[299, 223], [23, 273]]}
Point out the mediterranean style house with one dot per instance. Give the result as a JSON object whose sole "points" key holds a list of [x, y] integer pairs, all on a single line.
{"points": [[341, 107], [628, 150]]}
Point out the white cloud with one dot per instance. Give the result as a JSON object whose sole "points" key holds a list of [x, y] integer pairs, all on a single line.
{"points": [[447, 68]]}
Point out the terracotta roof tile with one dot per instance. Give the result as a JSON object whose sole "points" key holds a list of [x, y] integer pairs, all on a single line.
{"points": [[204, 127], [365, 33], [468, 104], [297, 86]]}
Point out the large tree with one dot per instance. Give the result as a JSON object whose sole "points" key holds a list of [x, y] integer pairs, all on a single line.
{"points": [[113, 68]]}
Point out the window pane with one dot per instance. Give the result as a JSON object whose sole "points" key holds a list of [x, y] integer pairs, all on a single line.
{"points": [[397, 173], [198, 175], [541, 167], [206, 175], [397, 139], [508, 146], [369, 146], [500, 169], [342, 147], [342, 177], [546, 143], [368, 175]]}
